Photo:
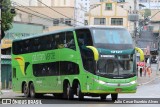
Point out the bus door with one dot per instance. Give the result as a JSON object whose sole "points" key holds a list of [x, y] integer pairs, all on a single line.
{"points": [[84, 39], [89, 65]]}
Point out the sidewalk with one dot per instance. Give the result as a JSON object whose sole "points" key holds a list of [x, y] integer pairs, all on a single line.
{"points": [[146, 79]]}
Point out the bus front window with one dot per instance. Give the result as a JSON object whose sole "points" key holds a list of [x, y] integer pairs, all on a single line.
{"points": [[118, 67]]}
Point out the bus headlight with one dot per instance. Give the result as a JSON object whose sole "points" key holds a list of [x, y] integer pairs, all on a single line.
{"points": [[100, 82], [133, 82]]}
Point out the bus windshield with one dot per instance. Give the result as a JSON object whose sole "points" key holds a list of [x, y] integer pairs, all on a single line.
{"points": [[111, 36], [120, 66]]}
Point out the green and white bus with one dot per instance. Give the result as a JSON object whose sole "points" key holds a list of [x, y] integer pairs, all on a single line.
{"points": [[81, 61]]}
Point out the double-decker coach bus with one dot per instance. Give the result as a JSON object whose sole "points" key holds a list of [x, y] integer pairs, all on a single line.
{"points": [[82, 61]]}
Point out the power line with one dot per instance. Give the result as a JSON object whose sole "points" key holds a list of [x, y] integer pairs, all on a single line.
{"points": [[154, 14], [31, 9], [59, 12], [37, 12], [33, 14]]}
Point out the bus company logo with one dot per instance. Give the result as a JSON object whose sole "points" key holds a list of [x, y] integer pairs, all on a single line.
{"points": [[21, 62], [42, 57], [116, 52]]}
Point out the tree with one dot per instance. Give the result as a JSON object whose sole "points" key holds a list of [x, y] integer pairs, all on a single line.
{"points": [[8, 14]]}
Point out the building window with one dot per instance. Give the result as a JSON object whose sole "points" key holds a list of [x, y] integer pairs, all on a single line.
{"points": [[68, 22], [56, 22], [121, 6], [108, 6], [99, 21], [86, 22], [116, 21]]}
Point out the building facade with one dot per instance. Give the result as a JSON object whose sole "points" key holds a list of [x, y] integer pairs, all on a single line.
{"points": [[56, 11], [150, 4], [108, 13]]}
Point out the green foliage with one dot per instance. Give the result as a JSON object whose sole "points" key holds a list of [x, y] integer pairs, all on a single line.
{"points": [[7, 16]]}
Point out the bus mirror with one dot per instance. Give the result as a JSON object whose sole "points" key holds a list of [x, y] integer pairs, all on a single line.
{"points": [[95, 52], [141, 53]]}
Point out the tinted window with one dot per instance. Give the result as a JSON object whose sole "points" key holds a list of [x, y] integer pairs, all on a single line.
{"points": [[84, 39], [48, 42], [112, 36], [46, 69], [52, 69], [70, 43], [68, 68]]}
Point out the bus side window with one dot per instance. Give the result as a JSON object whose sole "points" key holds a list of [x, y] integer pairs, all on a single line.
{"points": [[68, 68], [70, 42], [49, 43], [54, 42], [26, 46], [61, 40], [21, 46], [43, 42], [84, 39], [15, 48]]}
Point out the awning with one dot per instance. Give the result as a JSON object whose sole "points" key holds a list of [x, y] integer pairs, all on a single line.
{"points": [[6, 43]]}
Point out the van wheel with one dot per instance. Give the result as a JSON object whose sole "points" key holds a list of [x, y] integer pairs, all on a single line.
{"points": [[79, 93], [114, 96], [67, 91], [26, 90]]}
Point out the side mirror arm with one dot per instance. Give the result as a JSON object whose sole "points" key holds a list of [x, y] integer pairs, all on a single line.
{"points": [[141, 53], [95, 52]]}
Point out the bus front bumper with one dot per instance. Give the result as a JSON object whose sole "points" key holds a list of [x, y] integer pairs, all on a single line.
{"points": [[103, 87]]}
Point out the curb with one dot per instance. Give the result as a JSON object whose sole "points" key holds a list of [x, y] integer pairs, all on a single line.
{"points": [[148, 81]]}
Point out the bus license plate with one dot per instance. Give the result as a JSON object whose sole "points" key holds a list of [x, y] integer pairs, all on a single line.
{"points": [[118, 90]]}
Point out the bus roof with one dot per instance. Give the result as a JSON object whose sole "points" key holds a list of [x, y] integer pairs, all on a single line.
{"points": [[67, 29]]}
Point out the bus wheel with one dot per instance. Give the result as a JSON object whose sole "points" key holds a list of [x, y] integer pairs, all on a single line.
{"points": [[67, 93], [32, 91], [79, 93], [26, 90], [58, 96], [103, 97], [114, 96]]}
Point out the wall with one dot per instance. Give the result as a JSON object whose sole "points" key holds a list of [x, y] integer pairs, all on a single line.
{"points": [[116, 12]]}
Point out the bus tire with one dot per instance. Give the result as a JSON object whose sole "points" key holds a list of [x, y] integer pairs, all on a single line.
{"points": [[79, 93], [103, 97], [26, 90], [32, 92], [67, 91], [114, 96], [58, 96]]}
